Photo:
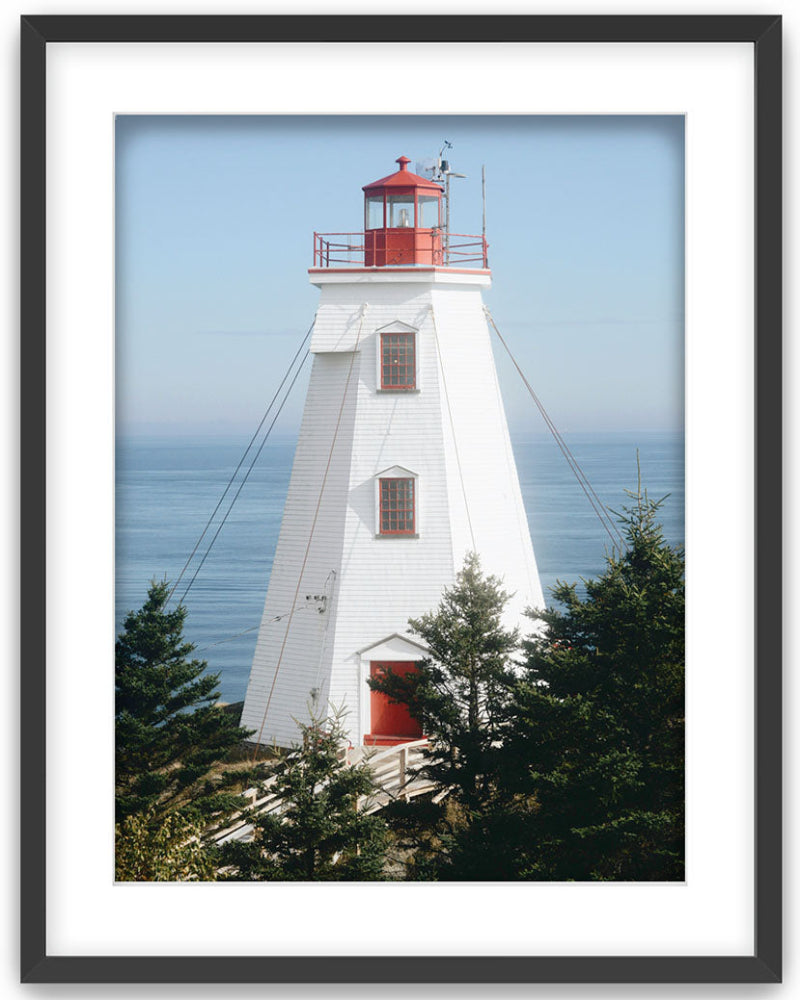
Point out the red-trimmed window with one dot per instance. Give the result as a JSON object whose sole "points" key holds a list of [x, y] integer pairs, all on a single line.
{"points": [[397, 507], [398, 361]]}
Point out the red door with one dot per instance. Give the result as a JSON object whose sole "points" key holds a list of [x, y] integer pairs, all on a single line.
{"points": [[390, 721]]}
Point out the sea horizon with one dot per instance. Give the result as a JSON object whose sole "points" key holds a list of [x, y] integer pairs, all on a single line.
{"points": [[167, 486]]}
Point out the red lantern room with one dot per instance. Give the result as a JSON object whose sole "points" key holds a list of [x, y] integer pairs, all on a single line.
{"points": [[402, 220]]}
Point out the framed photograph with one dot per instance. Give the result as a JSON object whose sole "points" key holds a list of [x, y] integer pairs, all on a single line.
{"points": [[182, 178]]}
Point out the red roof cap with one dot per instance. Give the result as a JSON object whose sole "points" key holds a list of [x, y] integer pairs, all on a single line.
{"points": [[403, 178]]}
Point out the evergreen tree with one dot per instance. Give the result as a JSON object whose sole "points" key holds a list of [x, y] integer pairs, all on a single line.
{"points": [[165, 850], [460, 695], [594, 752], [169, 730], [320, 830]]}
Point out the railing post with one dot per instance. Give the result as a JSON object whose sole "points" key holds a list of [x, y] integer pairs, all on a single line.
{"points": [[403, 765]]}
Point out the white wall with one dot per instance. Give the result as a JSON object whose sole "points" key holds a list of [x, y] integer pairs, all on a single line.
{"points": [[451, 435]]}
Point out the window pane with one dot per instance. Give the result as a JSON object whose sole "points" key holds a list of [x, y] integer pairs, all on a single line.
{"points": [[374, 218], [398, 363], [400, 211], [397, 514], [428, 211]]}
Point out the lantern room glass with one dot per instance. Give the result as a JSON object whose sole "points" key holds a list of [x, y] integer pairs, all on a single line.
{"points": [[374, 212], [400, 211], [427, 211]]}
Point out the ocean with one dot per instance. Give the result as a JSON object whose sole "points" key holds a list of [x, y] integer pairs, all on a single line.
{"points": [[166, 490]]}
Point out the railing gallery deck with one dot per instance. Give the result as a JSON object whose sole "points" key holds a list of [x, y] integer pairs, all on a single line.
{"points": [[333, 250]]}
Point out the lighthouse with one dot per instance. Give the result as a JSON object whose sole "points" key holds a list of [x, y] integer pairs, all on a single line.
{"points": [[403, 466]]}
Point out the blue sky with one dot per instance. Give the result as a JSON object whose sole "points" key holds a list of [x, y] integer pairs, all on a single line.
{"points": [[215, 216]]}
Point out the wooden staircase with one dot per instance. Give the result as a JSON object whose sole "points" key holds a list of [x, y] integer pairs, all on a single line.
{"points": [[392, 769]]}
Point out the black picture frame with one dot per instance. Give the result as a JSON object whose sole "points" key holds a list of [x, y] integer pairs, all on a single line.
{"points": [[764, 32]]}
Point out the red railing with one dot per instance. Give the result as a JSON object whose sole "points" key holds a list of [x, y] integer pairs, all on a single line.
{"points": [[435, 247]]}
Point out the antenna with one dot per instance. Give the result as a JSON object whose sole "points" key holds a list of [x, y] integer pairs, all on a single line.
{"points": [[440, 173], [435, 167], [447, 174], [443, 165], [483, 198]]}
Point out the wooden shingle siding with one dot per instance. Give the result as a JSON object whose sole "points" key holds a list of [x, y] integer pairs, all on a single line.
{"points": [[382, 581]]}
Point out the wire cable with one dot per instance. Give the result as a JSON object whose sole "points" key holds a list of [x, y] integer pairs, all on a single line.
{"points": [[452, 429], [353, 355], [238, 635], [244, 480], [230, 638], [241, 462], [597, 505]]}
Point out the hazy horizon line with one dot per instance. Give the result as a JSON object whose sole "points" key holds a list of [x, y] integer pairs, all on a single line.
{"points": [[167, 432]]}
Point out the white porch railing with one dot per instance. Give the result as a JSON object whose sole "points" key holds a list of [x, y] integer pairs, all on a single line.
{"points": [[392, 769]]}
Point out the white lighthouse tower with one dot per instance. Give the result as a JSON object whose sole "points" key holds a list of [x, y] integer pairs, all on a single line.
{"points": [[403, 466]]}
